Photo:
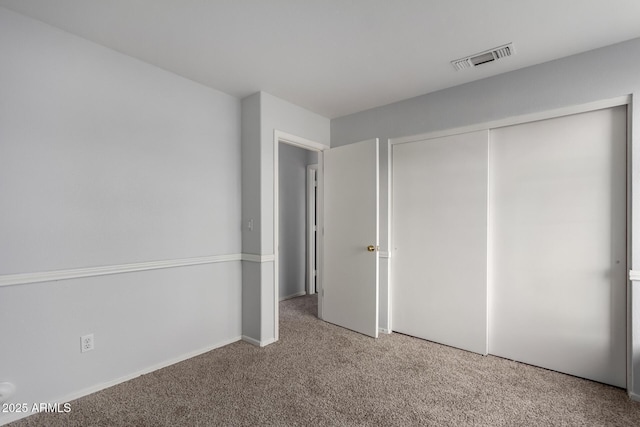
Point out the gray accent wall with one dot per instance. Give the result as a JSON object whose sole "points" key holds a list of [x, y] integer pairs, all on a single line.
{"points": [[292, 228], [262, 115], [251, 202], [108, 161], [596, 75]]}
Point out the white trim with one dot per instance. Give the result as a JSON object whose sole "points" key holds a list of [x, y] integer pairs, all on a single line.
{"points": [[297, 294], [384, 330], [385, 254], [298, 141], [320, 237], [101, 386], [389, 251], [634, 275], [75, 273], [311, 219], [525, 118], [258, 258], [629, 200], [251, 341], [633, 396], [267, 342], [256, 342], [490, 234]]}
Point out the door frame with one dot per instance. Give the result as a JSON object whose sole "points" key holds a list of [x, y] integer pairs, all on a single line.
{"points": [[312, 227], [626, 100], [307, 144]]}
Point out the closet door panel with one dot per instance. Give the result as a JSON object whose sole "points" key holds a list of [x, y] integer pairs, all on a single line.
{"points": [[558, 244], [439, 260]]}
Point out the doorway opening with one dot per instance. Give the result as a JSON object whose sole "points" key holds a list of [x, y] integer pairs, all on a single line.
{"points": [[294, 260], [297, 169]]}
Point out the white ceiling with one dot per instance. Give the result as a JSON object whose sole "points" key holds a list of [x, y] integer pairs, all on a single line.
{"points": [[337, 57]]}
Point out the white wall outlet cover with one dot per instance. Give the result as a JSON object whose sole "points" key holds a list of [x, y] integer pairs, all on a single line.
{"points": [[86, 343], [6, 391]]}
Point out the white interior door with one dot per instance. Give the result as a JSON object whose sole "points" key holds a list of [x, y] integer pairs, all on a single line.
{"points": [[558, 244], [350, 279], [440, 240]]}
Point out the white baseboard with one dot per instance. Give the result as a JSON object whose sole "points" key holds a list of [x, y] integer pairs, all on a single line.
{"points": [[267, 342], [250, 340], [256, 342], [297, 294], [384, 330], [95, 388], [634, 397]]}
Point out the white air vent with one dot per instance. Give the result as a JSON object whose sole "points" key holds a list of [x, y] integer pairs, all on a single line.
{"points": [[483, 57]]}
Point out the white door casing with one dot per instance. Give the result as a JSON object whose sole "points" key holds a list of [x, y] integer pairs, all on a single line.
{"points": [[351, 215], [312, 225]]}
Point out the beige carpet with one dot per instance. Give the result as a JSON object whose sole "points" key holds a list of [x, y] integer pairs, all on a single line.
{"points": [[320, 374]]}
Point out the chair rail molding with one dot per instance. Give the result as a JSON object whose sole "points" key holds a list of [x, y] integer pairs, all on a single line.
{"points": [[75, 273]]}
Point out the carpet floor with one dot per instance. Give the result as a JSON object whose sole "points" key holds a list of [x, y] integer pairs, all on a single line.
{"points": [[323, 375]]}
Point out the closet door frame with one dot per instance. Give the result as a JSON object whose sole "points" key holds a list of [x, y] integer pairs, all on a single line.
{"points": [[625, 100]]}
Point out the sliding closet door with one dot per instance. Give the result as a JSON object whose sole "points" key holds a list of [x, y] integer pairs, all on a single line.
{"points": [[440, 240], [558, 244]]}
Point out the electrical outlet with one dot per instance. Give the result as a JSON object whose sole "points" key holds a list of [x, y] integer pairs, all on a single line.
{"points": [[86, 343]]}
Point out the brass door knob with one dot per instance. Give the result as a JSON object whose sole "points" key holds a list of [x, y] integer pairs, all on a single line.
{"points": [[371, 248]]}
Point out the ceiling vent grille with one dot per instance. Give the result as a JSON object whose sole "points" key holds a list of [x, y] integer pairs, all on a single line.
{"points": [[483, 57]]}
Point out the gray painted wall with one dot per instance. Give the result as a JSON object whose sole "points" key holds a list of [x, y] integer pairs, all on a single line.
{"points": [[251, 271], [251, 173], [268, 114], [292, 191], [284, 116], [105, 160], [592, 76], [599, 74], [281, 115]]}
